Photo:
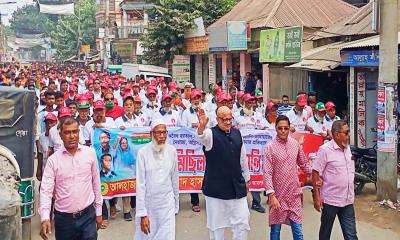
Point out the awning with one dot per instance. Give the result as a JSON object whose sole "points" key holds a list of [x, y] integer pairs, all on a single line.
{"points": [[325, 58], [316, 65]]}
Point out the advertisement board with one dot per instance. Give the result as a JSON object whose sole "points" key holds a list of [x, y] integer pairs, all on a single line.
{"points": [[281, 44]]}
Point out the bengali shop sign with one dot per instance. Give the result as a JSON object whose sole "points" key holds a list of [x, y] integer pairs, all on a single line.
{"points": [[196, 45], [281, 44], [117, 149]]}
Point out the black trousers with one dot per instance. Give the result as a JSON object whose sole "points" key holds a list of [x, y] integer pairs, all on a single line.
{"points": [[346, 218], [194, 199], [104, 208], [78, 228]]}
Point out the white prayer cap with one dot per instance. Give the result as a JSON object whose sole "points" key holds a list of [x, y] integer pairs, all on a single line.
{"points": [[156, 122]]}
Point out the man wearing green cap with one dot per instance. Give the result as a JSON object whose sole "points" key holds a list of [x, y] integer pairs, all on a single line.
{"points": [[260, 105], [83, 117], [316, 123]]}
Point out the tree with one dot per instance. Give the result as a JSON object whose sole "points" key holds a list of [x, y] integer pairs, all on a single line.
{"points": [[28, 20], [74, 30], [171, 19]]}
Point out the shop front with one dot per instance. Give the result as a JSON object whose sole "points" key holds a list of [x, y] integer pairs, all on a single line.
{"points": [[370, 124], [228, 53]]}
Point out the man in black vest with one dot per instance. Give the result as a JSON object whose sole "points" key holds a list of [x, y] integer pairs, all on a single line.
{"points": [[226, 177]]}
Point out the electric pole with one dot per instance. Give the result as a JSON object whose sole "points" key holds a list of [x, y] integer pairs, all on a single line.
{"points": [[388, 81]]}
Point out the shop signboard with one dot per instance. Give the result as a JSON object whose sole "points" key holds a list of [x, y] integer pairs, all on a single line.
{"points": [[218, 39], [237, 35], [181, 69], [281, 44], [196, 45], [123, 50], [364, 58], [386, 122], [361, 121]]}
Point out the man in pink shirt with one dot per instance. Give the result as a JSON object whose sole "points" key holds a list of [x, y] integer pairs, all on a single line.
{"points": [[71, 177], [334, 167]]}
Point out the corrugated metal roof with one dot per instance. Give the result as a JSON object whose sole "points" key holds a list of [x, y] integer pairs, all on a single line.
{"points": [[284, 13], [319, 59], [359, 23], [368, 42]]}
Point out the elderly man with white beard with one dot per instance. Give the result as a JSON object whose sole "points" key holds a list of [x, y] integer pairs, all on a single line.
{"points": [[157, 193]]}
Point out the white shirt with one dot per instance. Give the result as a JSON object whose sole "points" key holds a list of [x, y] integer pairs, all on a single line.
{"points": [[89, 131], [297, 121], [328, 121], [186, 103], [255, 121], [318, 126], [207, 140], [136, 121], [44, 147], [189, 117], [55, 140], [171, 119], [97, 96], [157, 191]]}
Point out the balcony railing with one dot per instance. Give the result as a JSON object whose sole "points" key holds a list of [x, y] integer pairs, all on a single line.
{"points": [[130, 31]]}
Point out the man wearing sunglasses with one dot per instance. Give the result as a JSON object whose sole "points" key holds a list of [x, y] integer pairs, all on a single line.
{"points": [[283, 156], [334, 166], [113, 111], [226, 178]]}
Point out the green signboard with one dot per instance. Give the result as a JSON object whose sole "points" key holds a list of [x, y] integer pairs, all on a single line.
{"points": [[281, 44]]}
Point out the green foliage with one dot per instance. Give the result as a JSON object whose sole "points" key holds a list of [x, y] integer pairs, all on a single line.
{"points": [[29, 20], [74, 30], [172, 18], [67, 33]]}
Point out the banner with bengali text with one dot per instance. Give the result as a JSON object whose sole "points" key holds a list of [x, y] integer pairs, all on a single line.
{"points": [[117, 149]]}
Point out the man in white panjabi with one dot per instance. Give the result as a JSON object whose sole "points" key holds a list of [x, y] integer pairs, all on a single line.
{"points": [[157, 192], [226, 178]]}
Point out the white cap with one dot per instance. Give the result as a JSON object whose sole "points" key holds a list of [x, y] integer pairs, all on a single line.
{"points": [[156, 122], [188, 84]]}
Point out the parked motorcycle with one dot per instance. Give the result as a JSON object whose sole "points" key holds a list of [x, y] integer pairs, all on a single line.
{"points": [[365, 167]]}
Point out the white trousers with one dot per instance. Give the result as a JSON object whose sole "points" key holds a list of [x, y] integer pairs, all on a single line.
{"points": [[222, 214]]}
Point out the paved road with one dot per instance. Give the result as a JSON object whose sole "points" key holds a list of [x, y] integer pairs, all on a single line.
{"points": [[192, 226]]}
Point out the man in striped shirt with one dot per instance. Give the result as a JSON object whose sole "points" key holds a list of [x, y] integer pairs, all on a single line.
{"points": [[284, 107]]}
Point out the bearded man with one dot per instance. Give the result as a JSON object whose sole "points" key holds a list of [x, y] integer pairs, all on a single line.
{"points": [[157, 184]]}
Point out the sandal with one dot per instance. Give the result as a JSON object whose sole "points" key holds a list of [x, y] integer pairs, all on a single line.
{"points": [[113, 212], [104, 224], [196, 208]]}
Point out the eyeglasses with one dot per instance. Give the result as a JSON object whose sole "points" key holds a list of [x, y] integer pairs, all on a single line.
{"points": [[159, 133], [108, 99], [226, 120], [283, 128]]}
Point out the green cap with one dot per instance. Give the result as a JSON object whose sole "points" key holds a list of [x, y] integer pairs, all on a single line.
{"points": [[83, 104], [258, 93], [320, 106]]}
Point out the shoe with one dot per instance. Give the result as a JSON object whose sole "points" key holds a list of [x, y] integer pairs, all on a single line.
{"points": [[258, 208], [127, 216]]}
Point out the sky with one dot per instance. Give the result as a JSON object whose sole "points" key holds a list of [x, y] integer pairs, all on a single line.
{"points": [[10, 8]]}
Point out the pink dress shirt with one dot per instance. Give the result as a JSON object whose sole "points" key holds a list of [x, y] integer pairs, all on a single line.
{"points": [[74, 180], [336, 168], [281, 162]]}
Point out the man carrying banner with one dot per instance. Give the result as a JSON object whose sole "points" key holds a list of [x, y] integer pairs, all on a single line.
{"points": [[298, 116], [190, 120], [226, 178], [285, 196], [157, 184]]}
